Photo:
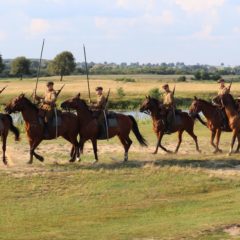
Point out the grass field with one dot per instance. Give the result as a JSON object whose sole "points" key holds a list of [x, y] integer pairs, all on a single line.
{"points": [[184, 196]]}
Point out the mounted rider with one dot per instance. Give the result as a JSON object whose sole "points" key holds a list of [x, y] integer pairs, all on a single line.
{"points": [[169, 106], [47, 104], [216, 100]]}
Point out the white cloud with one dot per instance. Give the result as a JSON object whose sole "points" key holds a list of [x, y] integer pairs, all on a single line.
{"points": [[147, 5], [199, 5], [3, 36], [204, 33], [38, 26], [165, 18]]}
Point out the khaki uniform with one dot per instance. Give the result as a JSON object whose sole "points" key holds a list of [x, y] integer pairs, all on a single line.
{"points": [[168, 103], [48, 104], [168, 99], [223, 90], [101, 103]]}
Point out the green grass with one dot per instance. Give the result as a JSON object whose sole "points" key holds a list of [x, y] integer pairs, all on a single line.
{"points": [[150, 197]]}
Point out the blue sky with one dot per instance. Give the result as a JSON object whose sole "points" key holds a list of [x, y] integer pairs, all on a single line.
{"points": [[190, 31]]}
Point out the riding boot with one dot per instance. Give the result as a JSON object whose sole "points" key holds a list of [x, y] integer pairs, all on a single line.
{"points": [[46, 131], [166, 130]]}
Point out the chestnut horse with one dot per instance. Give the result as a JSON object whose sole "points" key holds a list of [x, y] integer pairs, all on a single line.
{"points": [[214, 119], [68, 129], [232, 113], [184, 123], [89, 127], [6, 124]]}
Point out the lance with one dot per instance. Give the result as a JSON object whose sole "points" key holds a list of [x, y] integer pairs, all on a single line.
{"points": [[174, 89], [39, 68], [86, 67], [3, 89], [59, 91], [230, 85]]}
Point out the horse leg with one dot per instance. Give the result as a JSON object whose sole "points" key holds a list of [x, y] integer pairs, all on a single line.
{"points": [[94, 144], [218, 135], [160, 136], [180, 132], [75, 148], [33, 146], [194, 137], [126, 144], [238, 146], [4, 144], [235, 131], [213, 134]]}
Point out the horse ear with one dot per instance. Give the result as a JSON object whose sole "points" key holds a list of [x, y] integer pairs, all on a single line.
{"points": [[22, 95], [195, 98], [78, 95]]}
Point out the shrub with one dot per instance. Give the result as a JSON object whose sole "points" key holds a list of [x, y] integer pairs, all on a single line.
{"points": [[155, 93], [182, 79], [120, 92]]}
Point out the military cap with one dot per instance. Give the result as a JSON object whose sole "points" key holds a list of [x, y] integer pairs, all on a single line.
{"points": [[221, 80], [165, 86], [99, 88], [50, 83]]}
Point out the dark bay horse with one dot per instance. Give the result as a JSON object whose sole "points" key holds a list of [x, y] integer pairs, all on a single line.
{"points": [[6, 124], [185, 123], [68, 129], [214, 119], [89, 127], [232, 113]]}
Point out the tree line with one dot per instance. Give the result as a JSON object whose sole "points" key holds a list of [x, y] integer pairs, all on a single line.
{"points": [[64, 64]]}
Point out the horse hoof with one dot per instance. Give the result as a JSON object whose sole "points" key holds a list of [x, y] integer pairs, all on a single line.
{"points": [[154, 153], [199, 151], [72, 160], [95, 162], [29, 162], [78, 159], [41, 159], [229, 154], [169, 152]]}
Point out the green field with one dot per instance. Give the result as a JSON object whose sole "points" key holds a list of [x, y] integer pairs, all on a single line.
{"points": [[184, 196]]}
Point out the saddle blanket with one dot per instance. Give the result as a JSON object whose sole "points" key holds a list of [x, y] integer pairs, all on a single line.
{"points": [[111, 122], [53, 122]]}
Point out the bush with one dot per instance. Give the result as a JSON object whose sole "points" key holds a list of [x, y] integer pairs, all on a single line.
{"points": [[125, 79], [155, 93], [120, 92], [182, 79]]}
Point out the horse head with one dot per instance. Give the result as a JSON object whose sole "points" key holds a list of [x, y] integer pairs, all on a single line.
{"points": [[16, 104], [149, 104], [74, 103], [195, 107]]}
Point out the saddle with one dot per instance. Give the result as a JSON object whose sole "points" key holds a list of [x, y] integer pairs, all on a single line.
{"points": [[111, 118], [52, 122]]}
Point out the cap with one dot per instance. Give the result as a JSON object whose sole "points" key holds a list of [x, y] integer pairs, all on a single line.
{"points": [[99, 88], [50, 83], [221, 80], [165, 86]]}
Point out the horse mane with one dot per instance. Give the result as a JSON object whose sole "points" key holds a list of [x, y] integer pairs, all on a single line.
{"points": [[30, 103], [230, 101]]}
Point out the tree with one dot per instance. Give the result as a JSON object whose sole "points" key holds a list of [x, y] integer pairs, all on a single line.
{"points": [[62, 64], [20, 66], [1, 64], [155, 93]]}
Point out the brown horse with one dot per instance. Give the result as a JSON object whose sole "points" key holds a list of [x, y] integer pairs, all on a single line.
{"points": [[214, 119], [6, 124], [68, 129], [183, 123], [232, 113], [89, 127]]}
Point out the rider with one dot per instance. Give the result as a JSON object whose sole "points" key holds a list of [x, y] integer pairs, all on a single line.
{"points": [[169, 105], [47, 104], [100, 104], [222, 91]]}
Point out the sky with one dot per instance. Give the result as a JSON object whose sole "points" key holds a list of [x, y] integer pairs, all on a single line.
{"points": [[145, 31]]}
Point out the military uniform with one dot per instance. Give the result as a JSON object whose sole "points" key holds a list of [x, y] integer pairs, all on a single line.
{"points": [[169, 105], [101, 103]]}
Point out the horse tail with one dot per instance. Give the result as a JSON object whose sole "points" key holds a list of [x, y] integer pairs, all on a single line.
{"points": [[137, 133], [200, 120], [13, 129]]}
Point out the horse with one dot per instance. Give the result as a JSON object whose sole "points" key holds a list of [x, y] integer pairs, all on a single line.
{"points": [[34, 126], [231, 110], [184, 123], [6, 124], [214, 119], [89, 126]]}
